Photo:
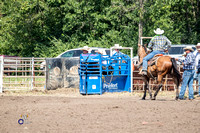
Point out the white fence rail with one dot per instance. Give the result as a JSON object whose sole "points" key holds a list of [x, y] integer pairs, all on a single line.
{"points": [[18, 73]]}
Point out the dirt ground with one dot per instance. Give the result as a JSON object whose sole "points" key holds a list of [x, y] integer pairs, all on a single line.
{"points": [[65, 110]]}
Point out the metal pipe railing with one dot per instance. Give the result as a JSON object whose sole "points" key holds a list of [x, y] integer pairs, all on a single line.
{"points": [[25, 72]]}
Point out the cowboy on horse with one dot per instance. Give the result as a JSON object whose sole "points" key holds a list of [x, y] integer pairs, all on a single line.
{"points": [[161, 66], [159, 44]]}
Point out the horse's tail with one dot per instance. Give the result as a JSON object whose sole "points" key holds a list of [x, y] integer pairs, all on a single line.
{"points": [[175, 71]]}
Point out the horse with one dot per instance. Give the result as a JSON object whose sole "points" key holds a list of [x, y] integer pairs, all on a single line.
{"points": [[163, 65]]}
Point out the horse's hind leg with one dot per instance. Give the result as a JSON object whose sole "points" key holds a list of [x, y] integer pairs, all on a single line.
{"points": [[176, 81]]}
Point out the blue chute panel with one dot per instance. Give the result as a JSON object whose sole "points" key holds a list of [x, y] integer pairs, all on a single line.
{"points": [[99, 74], [94, 85]]}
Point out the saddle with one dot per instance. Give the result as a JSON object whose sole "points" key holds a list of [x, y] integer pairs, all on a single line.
{"points": [[152, 61]]}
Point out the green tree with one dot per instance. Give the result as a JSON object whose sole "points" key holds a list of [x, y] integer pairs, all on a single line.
{"points": [[45, 28]]}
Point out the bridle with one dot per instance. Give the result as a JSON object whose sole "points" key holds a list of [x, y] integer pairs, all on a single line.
{"points": [[145, 49], [141, 52]]}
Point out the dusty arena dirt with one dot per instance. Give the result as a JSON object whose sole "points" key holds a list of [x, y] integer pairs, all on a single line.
{"points": [[63, 110]]}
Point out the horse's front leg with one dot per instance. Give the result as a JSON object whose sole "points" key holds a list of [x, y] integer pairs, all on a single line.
{"points": [[146, 85], [160, 77], [157, 90], [145, 91], [145, 88], [150, 94]]}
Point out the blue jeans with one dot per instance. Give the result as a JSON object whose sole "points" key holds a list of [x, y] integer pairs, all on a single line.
{"points": [[148, 57], [187, 81], [195, 75], [198, 76]]}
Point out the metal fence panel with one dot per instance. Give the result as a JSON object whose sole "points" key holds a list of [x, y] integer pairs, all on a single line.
{"points": [[20, 73]]}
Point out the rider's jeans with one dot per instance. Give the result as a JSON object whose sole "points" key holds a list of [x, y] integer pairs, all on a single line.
{"points": [[148, 57], [187, 81]]}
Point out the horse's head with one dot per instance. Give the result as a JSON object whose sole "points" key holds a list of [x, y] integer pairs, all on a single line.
{"points": [[142, 51]]}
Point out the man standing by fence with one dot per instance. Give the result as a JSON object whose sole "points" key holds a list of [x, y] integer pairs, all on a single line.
{"points": [[188, 68]]}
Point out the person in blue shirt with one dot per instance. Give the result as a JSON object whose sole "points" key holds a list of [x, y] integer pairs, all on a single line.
{"points": [[188, 73], [116, 51], [159, 44], [197, 64]]}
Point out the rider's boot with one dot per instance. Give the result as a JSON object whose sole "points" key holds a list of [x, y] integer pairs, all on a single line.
{"points": [[144, 72]]}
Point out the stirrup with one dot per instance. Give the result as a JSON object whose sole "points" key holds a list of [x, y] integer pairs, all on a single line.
{"points": [[144, 72], [140, 72]]}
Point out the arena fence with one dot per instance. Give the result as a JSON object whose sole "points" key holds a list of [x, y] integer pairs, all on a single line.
{"points": [[18, 73]]}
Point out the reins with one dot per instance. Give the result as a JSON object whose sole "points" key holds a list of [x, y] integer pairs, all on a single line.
{"points": [[145, 49]]}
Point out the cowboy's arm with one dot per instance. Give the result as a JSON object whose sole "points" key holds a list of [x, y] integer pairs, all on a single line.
{"points": [[196, 63], [196, 60], [168, 44], [150, 45], [179, 60], [121, 53], [185, 62]]}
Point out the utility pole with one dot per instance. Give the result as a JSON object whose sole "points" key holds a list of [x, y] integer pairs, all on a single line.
{"points": [[141, 10]]}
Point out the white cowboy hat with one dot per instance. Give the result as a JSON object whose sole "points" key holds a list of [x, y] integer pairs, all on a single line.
{"points": [[86, 48], [189, 48], [100, 51], [117, 46], [158, 31], [198, 46]]}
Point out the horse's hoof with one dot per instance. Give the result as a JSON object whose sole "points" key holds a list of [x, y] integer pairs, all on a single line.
{"points": [[176, 98], [153, 98], [143, 99]]}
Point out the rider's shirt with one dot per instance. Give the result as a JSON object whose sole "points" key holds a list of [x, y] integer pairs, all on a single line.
{"points": [[159, 42]]}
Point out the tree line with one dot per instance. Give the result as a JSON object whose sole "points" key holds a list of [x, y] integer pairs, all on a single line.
{"points": [[45, 28]]}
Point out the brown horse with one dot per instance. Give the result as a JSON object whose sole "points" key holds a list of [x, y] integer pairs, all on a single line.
{"points": [[163, 65]]}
